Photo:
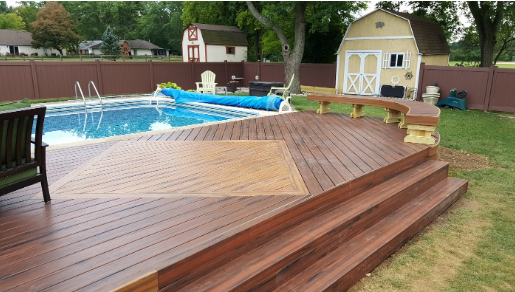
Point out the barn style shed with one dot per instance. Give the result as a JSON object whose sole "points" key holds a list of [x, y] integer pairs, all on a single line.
{"points": [[386, 47], [213, 43]]}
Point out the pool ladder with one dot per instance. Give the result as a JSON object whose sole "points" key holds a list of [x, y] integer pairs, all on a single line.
{"points": [[89, 91]]}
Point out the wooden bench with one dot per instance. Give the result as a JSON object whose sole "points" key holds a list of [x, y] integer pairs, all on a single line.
{"points": [[314, 89], [420, 119]]}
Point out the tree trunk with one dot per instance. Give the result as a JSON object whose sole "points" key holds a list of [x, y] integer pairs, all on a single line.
{"points": [[291, 58], [487, 18]]}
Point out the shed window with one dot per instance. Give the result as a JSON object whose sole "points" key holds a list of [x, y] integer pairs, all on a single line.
{"points": [[230, 50], [192, 34], [396, 60]]}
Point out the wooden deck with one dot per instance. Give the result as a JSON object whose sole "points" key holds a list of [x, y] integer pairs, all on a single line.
{"points": [[105, 228]]}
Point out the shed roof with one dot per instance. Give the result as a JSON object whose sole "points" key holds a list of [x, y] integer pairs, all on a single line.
{"points": [[222, 34], [15, 37], [428, 34]]}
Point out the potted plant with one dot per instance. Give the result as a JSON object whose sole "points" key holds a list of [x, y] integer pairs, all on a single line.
{"points": [[433, 88]]}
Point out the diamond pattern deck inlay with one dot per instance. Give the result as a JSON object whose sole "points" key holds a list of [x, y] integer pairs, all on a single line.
{"points": [[200, 168]]}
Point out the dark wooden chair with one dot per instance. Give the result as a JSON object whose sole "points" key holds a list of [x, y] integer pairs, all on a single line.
{"points": [[21, 167]]}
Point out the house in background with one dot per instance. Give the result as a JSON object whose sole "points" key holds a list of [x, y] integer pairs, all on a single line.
{"points": [[386, 47], [17, 42], [213, 43], [86, 47], [137, 48]]}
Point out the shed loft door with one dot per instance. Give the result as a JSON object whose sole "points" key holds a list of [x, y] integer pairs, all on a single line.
{"points": [[362, 72]]}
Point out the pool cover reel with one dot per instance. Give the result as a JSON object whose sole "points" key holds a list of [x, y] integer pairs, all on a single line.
{"points": [[270, 103]]}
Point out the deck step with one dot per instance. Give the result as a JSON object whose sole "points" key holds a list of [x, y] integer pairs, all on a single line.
{"points": [[309, 241], [343, 267]]}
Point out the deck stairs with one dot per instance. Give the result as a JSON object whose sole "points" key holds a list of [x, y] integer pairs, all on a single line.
{"points": [[328, 245]]}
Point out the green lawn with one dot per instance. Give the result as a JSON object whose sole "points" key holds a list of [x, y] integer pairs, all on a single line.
{"points": [[509, 65], [472, 246]]}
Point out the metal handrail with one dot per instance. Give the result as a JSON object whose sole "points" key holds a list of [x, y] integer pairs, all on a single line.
{"points": [[82, 94], [89, 91]]}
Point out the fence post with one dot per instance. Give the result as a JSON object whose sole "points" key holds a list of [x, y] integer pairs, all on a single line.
{"points": [[259, 71], [34, 78], [99, 77], [150, 66], [488, 91], [420, 80]]}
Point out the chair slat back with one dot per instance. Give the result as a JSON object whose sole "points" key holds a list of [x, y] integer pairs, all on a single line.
{"points": [[208, 77], [15, 138]]}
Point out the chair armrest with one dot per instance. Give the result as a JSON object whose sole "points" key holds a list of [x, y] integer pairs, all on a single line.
{"points": [[42, 143]]}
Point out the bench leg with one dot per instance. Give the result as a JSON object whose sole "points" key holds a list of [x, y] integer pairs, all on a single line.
{"points": [[358, 111], [420, 134], [402, 124], [324, 107], [393, 116]]}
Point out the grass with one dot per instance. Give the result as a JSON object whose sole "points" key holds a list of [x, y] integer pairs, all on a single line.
{"points": [[508, 65], [472, 246]]}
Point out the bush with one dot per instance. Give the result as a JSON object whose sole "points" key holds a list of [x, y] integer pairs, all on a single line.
{"points": [[169, 85]]}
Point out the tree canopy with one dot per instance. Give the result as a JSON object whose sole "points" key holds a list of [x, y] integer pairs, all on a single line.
{"points": [[27, 11], [54, 28], [11, 21]]}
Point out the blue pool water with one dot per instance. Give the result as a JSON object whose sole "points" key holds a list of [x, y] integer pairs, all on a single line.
{"points": [[66, 124]]}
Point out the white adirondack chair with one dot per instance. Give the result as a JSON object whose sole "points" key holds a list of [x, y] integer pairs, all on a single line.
{"points": [[285, 94], [208, 82]]}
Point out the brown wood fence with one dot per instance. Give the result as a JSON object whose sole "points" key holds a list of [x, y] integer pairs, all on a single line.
{"points": [[487, 88], [43, 80]]}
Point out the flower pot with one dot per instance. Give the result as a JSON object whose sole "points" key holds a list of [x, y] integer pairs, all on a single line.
{"points": [[431, 100], [432, 89]]}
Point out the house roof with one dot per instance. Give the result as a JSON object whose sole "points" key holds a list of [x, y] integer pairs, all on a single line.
{"points": [[133, 44], [141, 44], [222, 34], [428, 35], [15, 37], [88, 44]]}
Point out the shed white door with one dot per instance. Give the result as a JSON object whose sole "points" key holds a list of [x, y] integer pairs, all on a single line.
{"points": [[362, 72]]}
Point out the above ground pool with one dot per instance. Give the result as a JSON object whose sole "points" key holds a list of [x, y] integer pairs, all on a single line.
{"points": [[66, 124]]}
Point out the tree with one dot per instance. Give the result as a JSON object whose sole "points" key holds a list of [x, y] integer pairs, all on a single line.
{"points": [[11, 21], [487, 17], [93, 17], [4, 9], [27, 11], [161, 24], [290, 18], [54, 28], [110, 44]]}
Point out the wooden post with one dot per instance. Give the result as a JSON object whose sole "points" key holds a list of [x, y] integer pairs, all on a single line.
{"points": [[151, 74], [34, 78], [99, 78], [60, 57], [225, 65], [420, 79], [259, 71], [488, 91]]}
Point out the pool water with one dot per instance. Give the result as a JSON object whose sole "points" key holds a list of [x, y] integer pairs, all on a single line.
{"points": [[72, 124]]}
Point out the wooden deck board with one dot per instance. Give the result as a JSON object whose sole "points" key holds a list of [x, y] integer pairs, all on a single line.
{"points": [[100, 244]]}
